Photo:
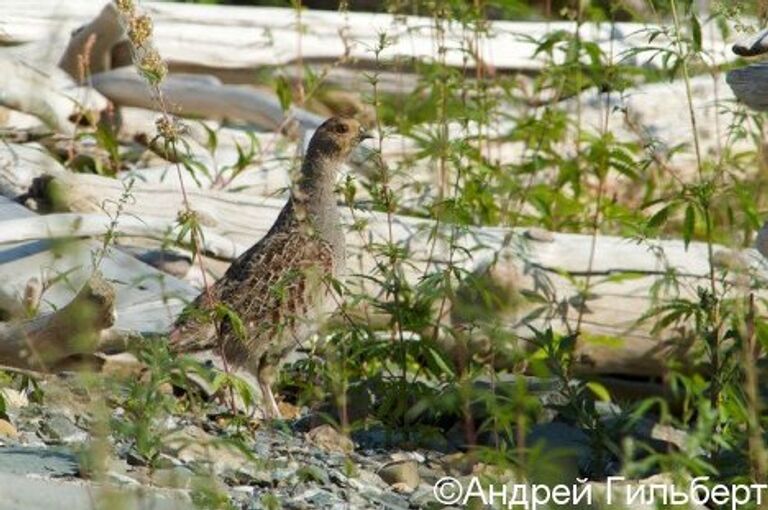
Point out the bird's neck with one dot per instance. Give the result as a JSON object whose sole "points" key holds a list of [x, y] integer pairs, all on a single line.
{"points": [[314, 198]]}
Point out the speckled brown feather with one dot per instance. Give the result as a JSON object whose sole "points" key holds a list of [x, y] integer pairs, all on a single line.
{"points": [[279, 281]]}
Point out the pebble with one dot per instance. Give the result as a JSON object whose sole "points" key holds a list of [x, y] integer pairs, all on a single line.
{"points": [[329, 439], [7, 430], [58, 429], [401, 473], [539, 234]]}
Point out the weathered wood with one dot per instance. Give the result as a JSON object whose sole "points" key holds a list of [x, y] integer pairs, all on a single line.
{"points": [[206, 98], [623, 273], [41, 342], [752, 45], [245, 38], [146, 300], [46, 93], [76, 225], [20, 165], [90, 49]]}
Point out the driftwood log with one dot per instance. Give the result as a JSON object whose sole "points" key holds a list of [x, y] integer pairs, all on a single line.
{"points": [[553, 266], [47, 93], [146, 300], [752, 45], [203, 96], [41, 342], [210, 38], [98, 46]]}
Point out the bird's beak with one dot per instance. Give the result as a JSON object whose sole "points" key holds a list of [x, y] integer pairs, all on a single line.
{"points": [[363, 135]]}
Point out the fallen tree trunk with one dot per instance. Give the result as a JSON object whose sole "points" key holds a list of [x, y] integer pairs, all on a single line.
{"points": [[74, 329], [48, 94], [146, 300], [77, 225], [207, 98], [625, 276], [97, 46], [245, 38]]}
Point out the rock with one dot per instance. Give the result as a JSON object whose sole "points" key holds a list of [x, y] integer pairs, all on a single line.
{"points": [[403, 473], [193, 445], [58, 429], [55, 462], [7, 430], [424, 496], [288, 411], [569, 443], [178, 477], [20, 492], [329, 439], [316, 497], [388, 500], [312, 473], [539, 234]]}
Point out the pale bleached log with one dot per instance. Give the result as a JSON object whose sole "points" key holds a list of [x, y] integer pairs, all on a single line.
{"points": [[752, 45], [90, 49], [244, 38], [46, 93], [146, 300], [77, 225], [551, 265], [41, 342], [21, 164], [206, 98]]}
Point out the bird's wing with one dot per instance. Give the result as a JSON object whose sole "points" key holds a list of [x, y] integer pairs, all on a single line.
{"points": [[266, 292]]}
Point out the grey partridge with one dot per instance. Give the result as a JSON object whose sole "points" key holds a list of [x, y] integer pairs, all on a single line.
{"points": [[279, 288]]}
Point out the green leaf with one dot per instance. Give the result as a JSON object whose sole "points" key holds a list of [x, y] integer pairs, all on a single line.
{"points": [[696, 32], [661, 216], [689, 224], [284, 93], [600, 391]]}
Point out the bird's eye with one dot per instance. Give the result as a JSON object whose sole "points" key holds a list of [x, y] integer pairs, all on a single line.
{"points": [[342, 128]]}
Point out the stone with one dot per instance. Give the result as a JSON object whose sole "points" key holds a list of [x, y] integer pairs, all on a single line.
{"points": [[21, 492], [312, 473], [58, 429], [329, 439], [539, 234], [7, 430], [46, 461], [424, 496], [568, 442], [402, 488], [388, 500], [403, 473], [178, 477], [288, 411]]}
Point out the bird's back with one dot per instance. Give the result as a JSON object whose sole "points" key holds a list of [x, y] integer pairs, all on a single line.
{"points": [[270, 298]]}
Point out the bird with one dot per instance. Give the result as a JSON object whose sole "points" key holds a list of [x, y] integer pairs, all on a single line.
{"points": [[279, 290]]}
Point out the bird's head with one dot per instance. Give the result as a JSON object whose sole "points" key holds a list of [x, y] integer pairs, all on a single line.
{"points": [[336, 137]]}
